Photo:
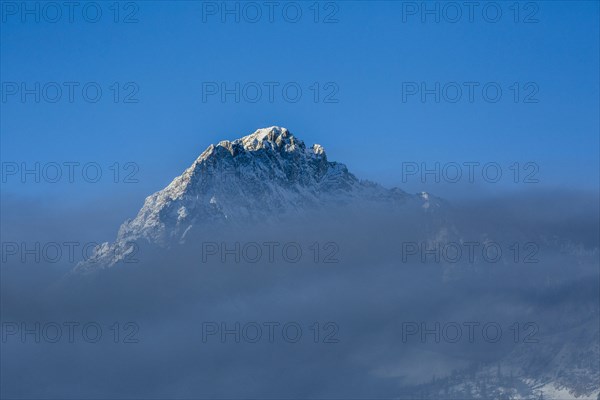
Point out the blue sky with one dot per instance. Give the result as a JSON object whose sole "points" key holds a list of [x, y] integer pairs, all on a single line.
{"points": [[176, 49]]}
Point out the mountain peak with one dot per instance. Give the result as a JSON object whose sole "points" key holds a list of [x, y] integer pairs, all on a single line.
{"points": [[270, 133], [273, 137], [259, 177]]}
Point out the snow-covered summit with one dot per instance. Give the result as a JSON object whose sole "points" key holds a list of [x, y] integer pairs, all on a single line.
{"points": [[258, 177], [272, 138]]}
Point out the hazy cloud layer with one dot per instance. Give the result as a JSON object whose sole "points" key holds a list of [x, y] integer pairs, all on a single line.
{"points": [[359, 300]]}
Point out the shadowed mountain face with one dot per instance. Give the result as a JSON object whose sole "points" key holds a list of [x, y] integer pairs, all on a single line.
{"points": [[263, 177]]}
